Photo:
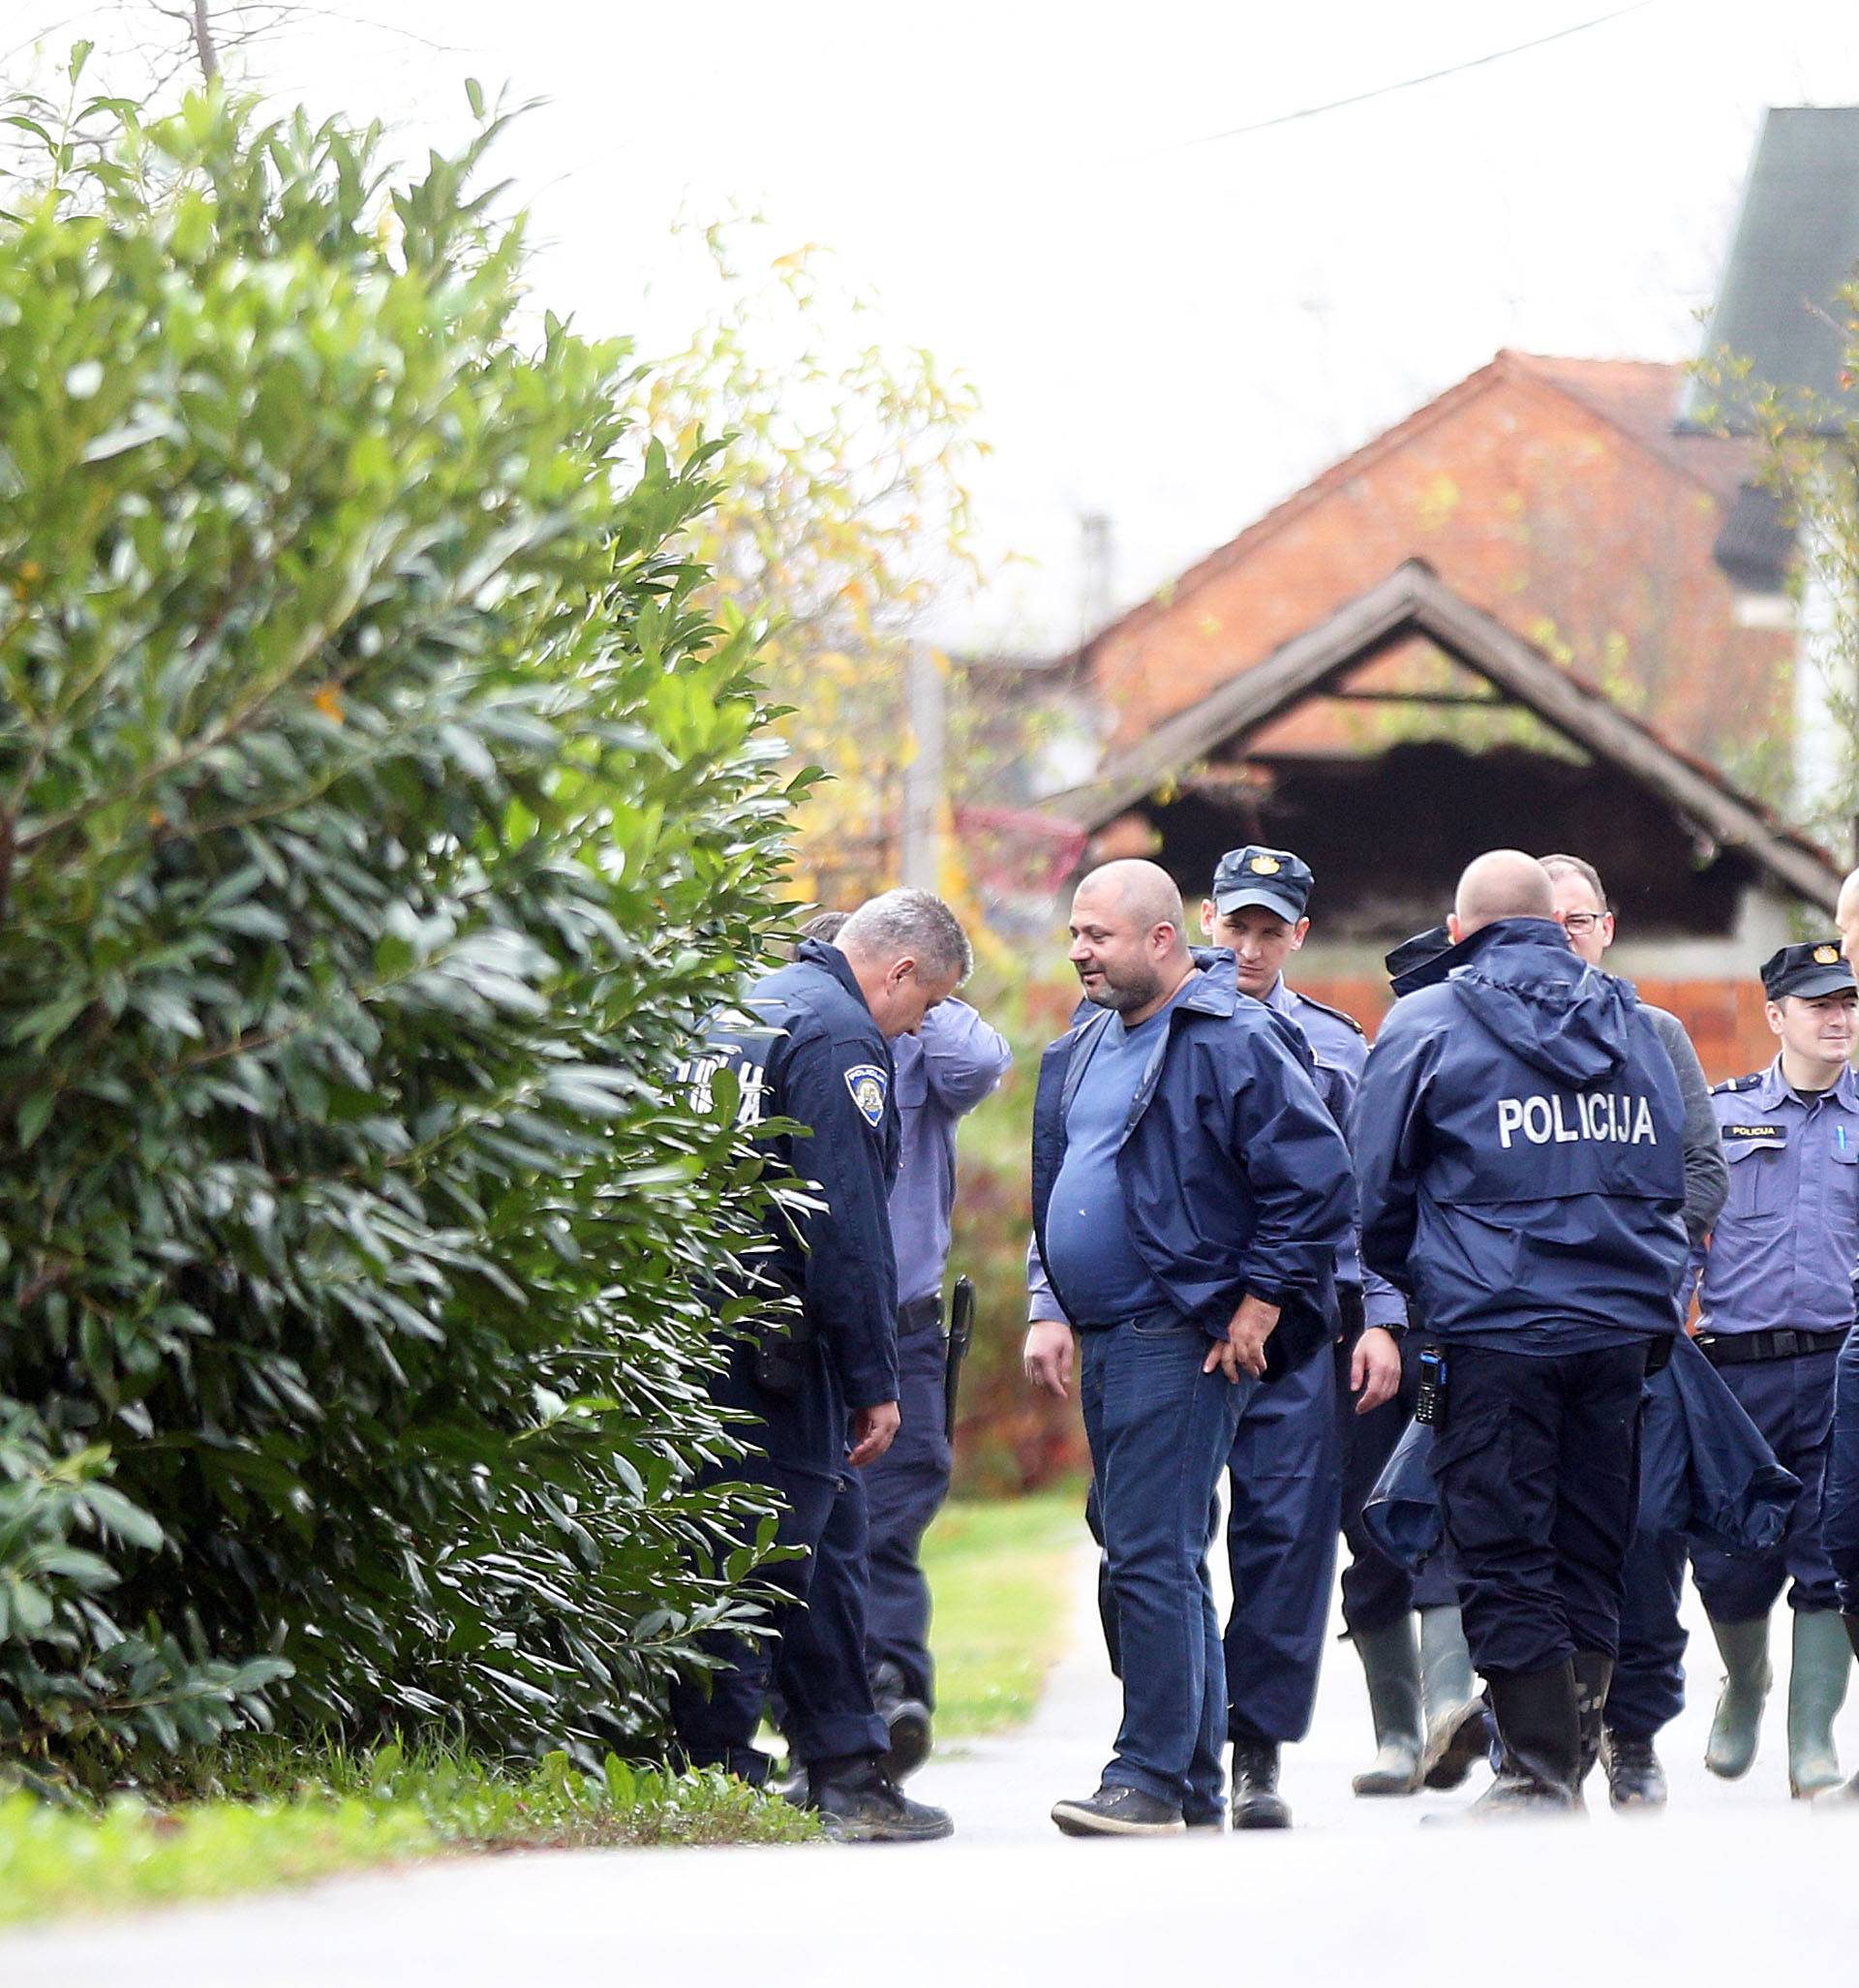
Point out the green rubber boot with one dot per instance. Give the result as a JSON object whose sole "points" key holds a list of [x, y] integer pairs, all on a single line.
{"points": [[1816, 1690], [1391, 1663], [1745, 1649], [1455, 1737], [1846, 1795]]}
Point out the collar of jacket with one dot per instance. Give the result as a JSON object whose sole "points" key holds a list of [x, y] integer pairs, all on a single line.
{"points": [[1211, 988], [1775, 1089], [815, 951], [1506, 935]]}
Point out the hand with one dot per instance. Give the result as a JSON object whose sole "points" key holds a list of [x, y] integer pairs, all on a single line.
{"points": [[874, 1430], [1375, 1369], [1243, 1349], [1047, 1357]]}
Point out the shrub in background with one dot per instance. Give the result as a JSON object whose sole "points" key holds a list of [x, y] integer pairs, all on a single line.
{"points": [[377, 817]]}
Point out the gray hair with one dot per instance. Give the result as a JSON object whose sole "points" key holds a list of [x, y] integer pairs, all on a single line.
{"points": [[886, 928], [1578, 866]]}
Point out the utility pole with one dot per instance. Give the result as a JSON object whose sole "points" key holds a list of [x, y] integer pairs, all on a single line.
{"points": [[924, 777]]}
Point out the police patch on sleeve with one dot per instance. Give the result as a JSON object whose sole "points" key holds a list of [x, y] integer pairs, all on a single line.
{"points": [[868, 1084]]}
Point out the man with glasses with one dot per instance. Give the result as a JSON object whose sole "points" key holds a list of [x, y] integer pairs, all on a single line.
{"points": [[1648, 1686]]}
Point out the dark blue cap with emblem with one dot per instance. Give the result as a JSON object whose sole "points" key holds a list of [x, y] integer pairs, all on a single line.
{"points": [[1816, 968], [1274, 878]]}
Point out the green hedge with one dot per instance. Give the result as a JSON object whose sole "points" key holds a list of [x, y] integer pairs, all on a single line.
{"points": [[377, 817]]}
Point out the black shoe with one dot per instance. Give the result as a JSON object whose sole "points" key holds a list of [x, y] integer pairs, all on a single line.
{"points": [[1118, 1811], [857, 1803], [1211, 1824], [1635, 1777], [1257, 1803]]}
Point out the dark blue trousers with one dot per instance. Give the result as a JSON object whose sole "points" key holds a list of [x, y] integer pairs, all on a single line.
{"points": [[1791, 1402], [1160, 1430], [904, 1491], [1378, 1591], [1840, 1507], [1284, 1513], [817, 1667], [1648, 1691], [1537, 1463]]}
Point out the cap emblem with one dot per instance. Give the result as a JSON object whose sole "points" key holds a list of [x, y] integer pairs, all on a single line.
{"points": [[1265, 866], [1826, 956]]}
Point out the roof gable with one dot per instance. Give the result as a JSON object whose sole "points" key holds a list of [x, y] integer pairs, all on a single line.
{"points": [[1414, 600]]}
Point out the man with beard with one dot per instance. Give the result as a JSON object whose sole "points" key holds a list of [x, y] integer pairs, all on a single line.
{"points": [[1518, 1135], [1189, 1191]]}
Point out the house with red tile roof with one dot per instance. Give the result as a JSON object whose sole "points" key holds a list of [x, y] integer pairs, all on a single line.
{"points": [[1540, 611]]}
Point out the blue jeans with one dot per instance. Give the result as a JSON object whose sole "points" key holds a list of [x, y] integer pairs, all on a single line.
{"points": [[1840, 1500], [1159, 1431]]}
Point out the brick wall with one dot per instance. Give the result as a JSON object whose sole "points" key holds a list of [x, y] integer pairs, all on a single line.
{"points": [[1723, 1017], [1581, 523]]}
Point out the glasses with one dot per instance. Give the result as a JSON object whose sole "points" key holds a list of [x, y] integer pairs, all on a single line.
{"points": [[1582, 923]]}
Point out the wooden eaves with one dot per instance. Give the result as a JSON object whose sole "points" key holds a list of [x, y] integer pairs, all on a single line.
{"points": [[1414, 600]]}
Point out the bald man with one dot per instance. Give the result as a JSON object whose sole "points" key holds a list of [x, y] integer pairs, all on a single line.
{"points": [[1518, 1135], [1189, 1191], [1839, 1498]]}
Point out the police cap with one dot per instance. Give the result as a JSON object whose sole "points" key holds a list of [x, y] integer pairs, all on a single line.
{"points": [[1253, 876], [1815, 968]]}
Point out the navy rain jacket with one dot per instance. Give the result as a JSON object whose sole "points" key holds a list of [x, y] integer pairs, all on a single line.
{"points": [[1519, 1137], [804, 1046], [1234, 1175]]}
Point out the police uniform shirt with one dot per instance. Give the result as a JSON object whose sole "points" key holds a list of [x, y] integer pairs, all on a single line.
{"points": [[953, 1062], [1781, 1255], [1338, 1044]]}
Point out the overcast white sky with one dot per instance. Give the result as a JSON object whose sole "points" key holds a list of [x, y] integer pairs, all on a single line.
{"points": [[1171, 332]]}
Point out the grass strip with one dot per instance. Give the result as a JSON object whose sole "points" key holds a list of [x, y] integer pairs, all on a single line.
{"points": [[283, 1815], [1000, 1574]]}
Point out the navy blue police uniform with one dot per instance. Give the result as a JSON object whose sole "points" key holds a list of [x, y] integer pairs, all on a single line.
{"points": [[943, 1071], [1775, 1308], [1230, 1178], [1301, 1465], [1518, 1141], [803, 1046], [1775, 1296]]}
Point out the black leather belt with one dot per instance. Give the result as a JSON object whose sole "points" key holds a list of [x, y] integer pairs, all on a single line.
{"points": [[920, 1314], [1740, 1349]]}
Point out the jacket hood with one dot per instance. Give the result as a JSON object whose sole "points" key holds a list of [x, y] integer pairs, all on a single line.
{"points": [[1526, 988]]}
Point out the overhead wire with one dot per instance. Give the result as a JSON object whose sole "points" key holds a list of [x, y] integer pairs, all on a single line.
{"points": [[1410, 82]]}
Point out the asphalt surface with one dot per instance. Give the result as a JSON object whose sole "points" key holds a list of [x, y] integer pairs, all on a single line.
{"points": [[1734, 1884]]}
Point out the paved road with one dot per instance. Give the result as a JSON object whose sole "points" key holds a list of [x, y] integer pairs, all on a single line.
{"points": [[1732, 1880]]}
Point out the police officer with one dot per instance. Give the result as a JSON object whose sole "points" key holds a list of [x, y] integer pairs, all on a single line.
{"points": [[1647, 1687], [811, 1044], [1189, 1193], [1840, 1511], [1774, 1304], [944, 1071], [1517, 1135], [1287, 1469]]}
